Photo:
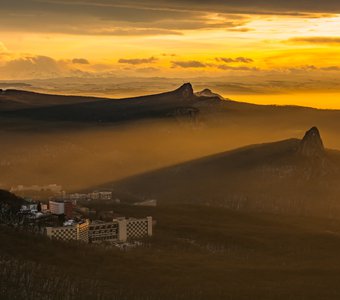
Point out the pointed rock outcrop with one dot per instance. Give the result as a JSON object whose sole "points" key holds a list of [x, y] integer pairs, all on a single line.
{"points": [[311, 145], [185, 91], [209, 94]]}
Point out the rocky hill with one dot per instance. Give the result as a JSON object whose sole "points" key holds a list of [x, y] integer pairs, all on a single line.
{"points": [[290, 176], [84, 109]]}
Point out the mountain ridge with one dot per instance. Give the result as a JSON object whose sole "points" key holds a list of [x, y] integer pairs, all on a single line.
{"points": [[108, 110], [271, 177]]}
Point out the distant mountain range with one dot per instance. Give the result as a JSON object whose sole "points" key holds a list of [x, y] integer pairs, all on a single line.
{"points": [[182, 102], [290, 176], [80, 142]]}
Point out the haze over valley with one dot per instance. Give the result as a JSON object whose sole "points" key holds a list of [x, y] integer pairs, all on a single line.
{"points": [[169, 150], [79, 142]]}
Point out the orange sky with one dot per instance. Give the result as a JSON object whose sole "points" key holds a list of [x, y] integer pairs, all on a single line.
{"points": [[280, 43]]}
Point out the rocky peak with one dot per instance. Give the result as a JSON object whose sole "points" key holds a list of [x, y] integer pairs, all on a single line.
{"points": [[311, 145], [186, 90], [208, 93]]}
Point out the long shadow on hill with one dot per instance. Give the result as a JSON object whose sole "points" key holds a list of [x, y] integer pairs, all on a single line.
{"points": [[290, 176]]}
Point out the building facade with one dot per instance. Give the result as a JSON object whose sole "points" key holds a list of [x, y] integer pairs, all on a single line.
{"points": [[132, 228], [100, 231], [119, 230], [77, 232], [139, 228], [61, 208]]}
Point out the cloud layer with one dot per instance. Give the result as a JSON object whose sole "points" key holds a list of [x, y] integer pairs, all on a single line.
{"points": [[100, 17], [80, 61], [320, 40], [147, 17], [188, 64], [137, 61], [240, 59]]}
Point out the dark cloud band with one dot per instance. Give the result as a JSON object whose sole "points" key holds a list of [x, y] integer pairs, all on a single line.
{"points": [[147, 17]]}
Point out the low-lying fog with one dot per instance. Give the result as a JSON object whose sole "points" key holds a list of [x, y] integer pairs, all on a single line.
{"points": [[80, 156]]}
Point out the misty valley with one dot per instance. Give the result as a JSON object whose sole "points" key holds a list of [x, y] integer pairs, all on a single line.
{"points": [[178, 195]]}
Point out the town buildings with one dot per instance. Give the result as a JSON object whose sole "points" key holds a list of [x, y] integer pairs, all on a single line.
{"points": [[53, 188], [57, 220], [119, 230], [89, 196]]}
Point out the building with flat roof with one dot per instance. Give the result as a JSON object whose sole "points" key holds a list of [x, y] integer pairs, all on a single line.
{"points": [[132, 228], [61, 207], [100, 231], [139, 228], [71, 230], [120, 230]]}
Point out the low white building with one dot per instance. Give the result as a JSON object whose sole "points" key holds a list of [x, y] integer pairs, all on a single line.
{"points": [[101, 231], [77, 231], [57, 207], [120, 230], [29, 207], [100, 195], [61, 207], [132, 228]]}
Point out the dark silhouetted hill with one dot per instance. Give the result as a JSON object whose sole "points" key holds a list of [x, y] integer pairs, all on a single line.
{"points": [[11, 201], [84, 109], [11, 100], [312, 145], [290, 176]]}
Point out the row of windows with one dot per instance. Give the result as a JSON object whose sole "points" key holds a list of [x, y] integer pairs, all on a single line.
{"points": [[64, 236], [102, 231], [96, 227]]}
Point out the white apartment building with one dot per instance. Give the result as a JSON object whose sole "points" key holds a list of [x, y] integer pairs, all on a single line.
{"points": [[101, 231], [132, 228], [57, 207], [120, 230], [100, 195], [70, 231], [61, 208]]}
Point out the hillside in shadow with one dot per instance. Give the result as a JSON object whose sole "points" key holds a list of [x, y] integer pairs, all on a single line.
{"points": [[290, 176], [79, 142]]}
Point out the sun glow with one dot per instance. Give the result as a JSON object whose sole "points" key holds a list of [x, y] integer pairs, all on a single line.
{"points": [[212, 45]]}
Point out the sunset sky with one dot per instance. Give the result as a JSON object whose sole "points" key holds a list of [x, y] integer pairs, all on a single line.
{"points": [[288, 51]]}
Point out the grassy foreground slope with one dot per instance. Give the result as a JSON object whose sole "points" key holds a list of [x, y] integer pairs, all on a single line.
{"points": [[196, 253]]}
